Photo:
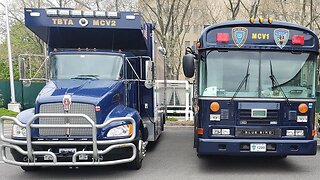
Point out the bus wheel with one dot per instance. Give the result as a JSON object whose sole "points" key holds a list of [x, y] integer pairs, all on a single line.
{"points": [[30, 168], [141, 150], [201, 156], [283, 157], [162, 122]]}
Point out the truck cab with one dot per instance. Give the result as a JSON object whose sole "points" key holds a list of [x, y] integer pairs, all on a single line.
{"points": [[98, 106]]}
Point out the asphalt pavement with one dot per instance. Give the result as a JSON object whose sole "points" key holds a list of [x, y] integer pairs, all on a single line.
{"points": [[173, 157]]}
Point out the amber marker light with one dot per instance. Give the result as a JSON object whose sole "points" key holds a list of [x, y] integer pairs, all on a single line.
{"points": [[261, 20], [200, 131], [303, 108], [251, 20], [198, 45], [313, 133], [270, 20], [215, 106], [130, 129]]}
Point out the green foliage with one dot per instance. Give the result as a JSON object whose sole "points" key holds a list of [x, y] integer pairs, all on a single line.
{"points": [[172, 119], [22, 42], [6, 112]]}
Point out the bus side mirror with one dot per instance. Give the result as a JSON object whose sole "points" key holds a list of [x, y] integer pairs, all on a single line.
{"points": [[188, 65]]}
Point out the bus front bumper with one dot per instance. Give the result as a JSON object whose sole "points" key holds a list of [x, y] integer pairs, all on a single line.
{"points": [[240, 147]]}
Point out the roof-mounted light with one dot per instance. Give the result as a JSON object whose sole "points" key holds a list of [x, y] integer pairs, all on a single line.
{"points": [[298, 39], [100, 14], [35, 14], [52, 12], [261, 20], [76, 13], [88, 13], [222, 37], [130, 17], [113, 15], [251, 20], [63, 12], [270, 20]]}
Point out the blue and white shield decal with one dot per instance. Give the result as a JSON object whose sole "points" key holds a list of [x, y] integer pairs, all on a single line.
{"points": [[239, 35], [281, 37]]}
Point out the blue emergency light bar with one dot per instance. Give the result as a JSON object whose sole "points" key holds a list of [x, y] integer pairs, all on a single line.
{"points": [[67, 28]]}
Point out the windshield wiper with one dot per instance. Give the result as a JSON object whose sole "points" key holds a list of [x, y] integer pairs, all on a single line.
{"points": [[244, 81], [275, 84], [87, 76]]}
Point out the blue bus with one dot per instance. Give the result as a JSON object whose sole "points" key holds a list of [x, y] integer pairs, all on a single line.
{"points": [[254, 89]]}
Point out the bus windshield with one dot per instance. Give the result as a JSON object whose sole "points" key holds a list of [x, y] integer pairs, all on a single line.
{"points": [[257, 74], [85, 66]]}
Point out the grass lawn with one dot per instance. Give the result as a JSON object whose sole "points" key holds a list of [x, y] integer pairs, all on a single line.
{"points": [[6, 112]]}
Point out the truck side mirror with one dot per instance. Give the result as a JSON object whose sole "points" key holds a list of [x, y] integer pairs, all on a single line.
{"points": [[149, 74], [188, 65]]}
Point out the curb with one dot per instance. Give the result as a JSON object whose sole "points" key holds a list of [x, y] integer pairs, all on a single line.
{"points": [[182, 123]]}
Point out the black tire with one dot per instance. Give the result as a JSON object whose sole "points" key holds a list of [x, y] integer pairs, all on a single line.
{"points": [[283, 157], [162, 122], [136, 164], [30, 168], [200, 156]]}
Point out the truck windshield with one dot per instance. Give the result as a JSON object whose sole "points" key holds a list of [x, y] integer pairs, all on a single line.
{"points": [[222, 73], [86, 66]]}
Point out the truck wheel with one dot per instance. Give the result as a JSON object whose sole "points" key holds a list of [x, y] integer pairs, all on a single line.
{"points": [[137, 162], [30, 168]]}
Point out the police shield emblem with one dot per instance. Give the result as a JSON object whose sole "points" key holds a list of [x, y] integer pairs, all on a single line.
{"points": [[281, 37], [239, 35]]}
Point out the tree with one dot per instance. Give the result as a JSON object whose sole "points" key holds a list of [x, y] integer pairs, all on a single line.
{"points": [[170, 16], [234, 7], [21, 43], [252, 10]]}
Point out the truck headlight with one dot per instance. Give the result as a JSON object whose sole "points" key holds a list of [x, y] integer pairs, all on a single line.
{"points": [[124, 130], [18, 131]]}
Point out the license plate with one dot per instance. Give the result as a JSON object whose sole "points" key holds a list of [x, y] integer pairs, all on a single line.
{"points": [[47, 158], [67, 150], [258, 147], [83, 157]]}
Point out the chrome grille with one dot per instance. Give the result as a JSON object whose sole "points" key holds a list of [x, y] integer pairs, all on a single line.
{"points": [[77, 108]]}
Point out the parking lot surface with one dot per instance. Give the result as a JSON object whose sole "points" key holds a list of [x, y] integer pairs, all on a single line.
{"points": [[173, 157]]}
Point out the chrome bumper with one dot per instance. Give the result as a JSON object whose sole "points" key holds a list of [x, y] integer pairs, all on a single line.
{"points": [[96, 153]]}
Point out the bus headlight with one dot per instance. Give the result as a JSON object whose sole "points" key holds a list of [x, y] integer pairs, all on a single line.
{"points": [[221, 132], [299, 133], [295, 132], [119, 131], [18, 132]]}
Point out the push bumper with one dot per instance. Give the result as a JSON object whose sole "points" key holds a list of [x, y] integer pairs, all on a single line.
{"points": [[239, 147], [26, 148]]}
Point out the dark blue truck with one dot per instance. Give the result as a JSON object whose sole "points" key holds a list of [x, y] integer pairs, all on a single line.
{"points": [[98, 106], [255, 89]]}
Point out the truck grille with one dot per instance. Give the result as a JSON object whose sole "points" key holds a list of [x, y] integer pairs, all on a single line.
{"points": [[245, 116], [78, 108]]}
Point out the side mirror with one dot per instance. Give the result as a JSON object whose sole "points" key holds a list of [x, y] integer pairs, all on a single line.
{"points": [[149, 74], [188, 65]]}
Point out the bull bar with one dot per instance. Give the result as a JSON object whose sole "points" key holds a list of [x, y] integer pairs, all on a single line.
{"points": [[96, 161]]}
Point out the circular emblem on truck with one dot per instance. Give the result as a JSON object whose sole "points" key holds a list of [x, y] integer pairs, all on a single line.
{"points": [[83, 22]]}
